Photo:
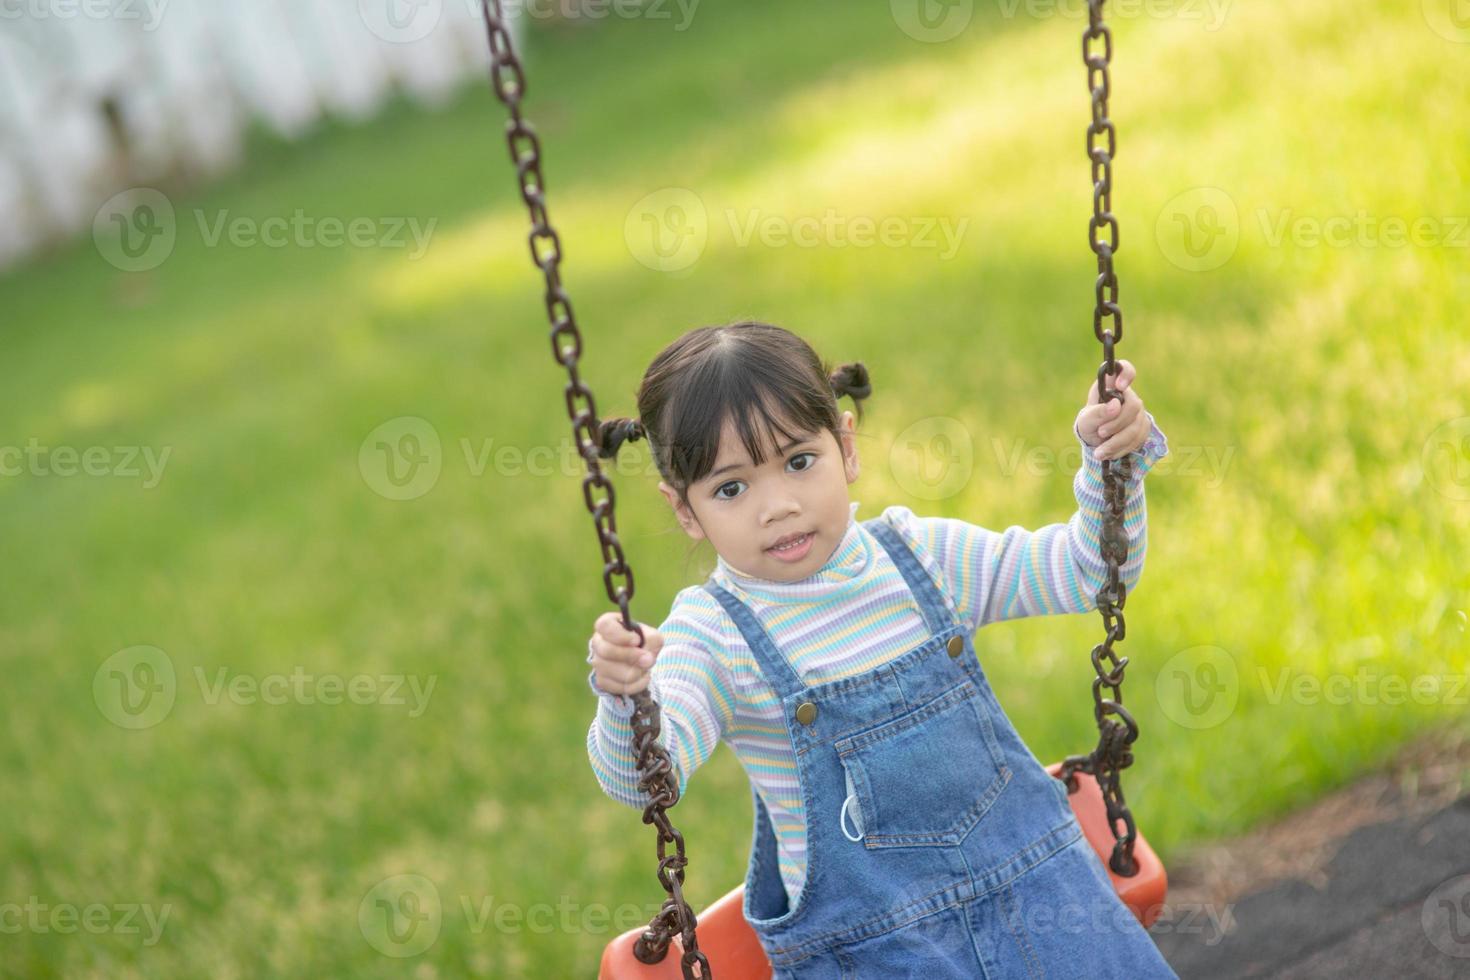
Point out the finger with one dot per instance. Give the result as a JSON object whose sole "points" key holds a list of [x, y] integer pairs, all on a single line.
{"points": [[610, 627], [1126, 373], [625, 673], [1121, 380], [1122, 418], [1106, 413], [614, 686], [1103, 412], [620, 654], [1122, 443], [1093, 395]]}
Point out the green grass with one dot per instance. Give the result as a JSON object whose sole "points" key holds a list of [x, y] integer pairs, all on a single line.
{"points": [[1322, 548]]}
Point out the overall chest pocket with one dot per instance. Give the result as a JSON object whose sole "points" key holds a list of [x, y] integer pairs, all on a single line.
{"points": [[927, 776]]}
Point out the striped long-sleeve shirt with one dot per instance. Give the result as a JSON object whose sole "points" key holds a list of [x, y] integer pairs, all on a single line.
{"points": [[852, 615]]}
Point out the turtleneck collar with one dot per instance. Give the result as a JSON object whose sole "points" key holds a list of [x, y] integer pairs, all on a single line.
{"points": [[844, 571]]}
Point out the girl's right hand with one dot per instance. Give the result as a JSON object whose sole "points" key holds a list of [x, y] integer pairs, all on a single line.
{"points": [[620, 665]]}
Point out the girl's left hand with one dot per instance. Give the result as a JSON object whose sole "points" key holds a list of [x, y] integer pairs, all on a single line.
{"points": [[1117, 428]]}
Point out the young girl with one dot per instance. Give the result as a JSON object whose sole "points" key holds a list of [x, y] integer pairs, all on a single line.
{"points": [[902, 828]]}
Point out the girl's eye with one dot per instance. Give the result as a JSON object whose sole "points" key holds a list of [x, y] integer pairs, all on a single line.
{"points": [[720, 490]]}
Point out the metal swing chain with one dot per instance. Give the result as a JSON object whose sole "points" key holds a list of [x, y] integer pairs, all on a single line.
{"points": [[1113, 752], [656, 775]]}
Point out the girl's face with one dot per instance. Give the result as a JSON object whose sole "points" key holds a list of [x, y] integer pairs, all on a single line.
{"points": [[799, 492]]}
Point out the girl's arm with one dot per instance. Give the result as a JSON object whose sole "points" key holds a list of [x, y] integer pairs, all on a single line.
{"points": [[691, 685], [1054, 569]]}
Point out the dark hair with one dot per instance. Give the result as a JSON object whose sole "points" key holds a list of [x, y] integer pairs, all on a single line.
{"points": [[739, 372]]}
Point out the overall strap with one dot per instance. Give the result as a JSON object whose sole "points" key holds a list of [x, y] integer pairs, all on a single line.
{"points": [[931, 603], [777, 671]]}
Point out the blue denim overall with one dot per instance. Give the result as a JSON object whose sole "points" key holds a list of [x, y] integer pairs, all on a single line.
{"points": [[937, 844]]}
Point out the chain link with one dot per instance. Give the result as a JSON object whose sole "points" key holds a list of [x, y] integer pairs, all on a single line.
{"points": [[656, 775], [1117, 730]]}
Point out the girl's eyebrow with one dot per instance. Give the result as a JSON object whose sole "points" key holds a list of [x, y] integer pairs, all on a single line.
{"points": [[780, 452]]}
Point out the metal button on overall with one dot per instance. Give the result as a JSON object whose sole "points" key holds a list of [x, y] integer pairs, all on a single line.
{"points": [[956, 646], [806, 713]]}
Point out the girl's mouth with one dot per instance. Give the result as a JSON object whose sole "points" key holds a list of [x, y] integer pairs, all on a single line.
{"points": [[795, 551]]}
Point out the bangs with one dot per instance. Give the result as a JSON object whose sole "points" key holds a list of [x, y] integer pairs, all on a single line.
{"points": [[769, 402]]}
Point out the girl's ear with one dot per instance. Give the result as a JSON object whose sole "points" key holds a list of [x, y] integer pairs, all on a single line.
{"points": [[683, 513], [849, 447]]}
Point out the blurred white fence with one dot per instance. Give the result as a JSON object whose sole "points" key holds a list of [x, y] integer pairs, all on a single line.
{"points": [[100, 95]]}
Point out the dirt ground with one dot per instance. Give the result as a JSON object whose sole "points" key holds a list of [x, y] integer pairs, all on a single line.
{"points": [[1425, 776]]}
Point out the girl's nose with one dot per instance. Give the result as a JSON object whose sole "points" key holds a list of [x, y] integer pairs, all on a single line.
{"points": [[780, 509]]}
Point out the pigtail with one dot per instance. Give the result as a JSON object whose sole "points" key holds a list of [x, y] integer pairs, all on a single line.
{"points": [[612, 433], [852, 380]]}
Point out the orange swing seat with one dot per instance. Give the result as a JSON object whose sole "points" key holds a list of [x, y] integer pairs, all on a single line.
{"points": [[735, 953]]}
